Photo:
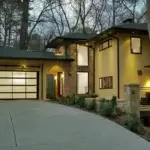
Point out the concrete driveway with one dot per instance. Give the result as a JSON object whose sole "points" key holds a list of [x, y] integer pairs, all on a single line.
{"points": [[37, 125]]}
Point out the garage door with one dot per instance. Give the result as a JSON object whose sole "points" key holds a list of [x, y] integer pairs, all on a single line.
{"points": [[18, 85]]}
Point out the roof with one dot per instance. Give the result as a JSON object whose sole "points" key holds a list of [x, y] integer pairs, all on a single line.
{"points": [[16, 53], [135, 26], [72, 37], [125, 27]]}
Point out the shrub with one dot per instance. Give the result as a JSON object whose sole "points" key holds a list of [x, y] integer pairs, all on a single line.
{"points": [[92, 105], [93, 95], [107, 108], [132, 123], [71, 99], [81, 101]]}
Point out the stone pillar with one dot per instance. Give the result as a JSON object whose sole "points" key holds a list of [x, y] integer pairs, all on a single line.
{"points": [[132, 99]]}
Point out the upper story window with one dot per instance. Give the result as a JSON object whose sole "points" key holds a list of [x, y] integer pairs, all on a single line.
{"points": [[106, 82], [136, 47], [105, 44], [82, 55]]}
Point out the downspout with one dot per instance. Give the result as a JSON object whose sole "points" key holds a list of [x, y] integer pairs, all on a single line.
{"points": [[118, 65]]}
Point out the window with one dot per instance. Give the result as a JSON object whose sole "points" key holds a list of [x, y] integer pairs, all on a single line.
{"points": [[105, 44], [82, 55], [106, 82], [136, 45], [82, 82], [60, 51]]}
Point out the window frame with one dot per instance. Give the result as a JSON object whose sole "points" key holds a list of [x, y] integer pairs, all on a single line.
{"points": [[109, 41], [77, 82], [131, 45], [77, 57], [107, 81]]}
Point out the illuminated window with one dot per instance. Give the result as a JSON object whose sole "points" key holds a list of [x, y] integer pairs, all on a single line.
{"points": [[60, 51], [82, 55], [82, 82], [136, 45], [106, 82]]}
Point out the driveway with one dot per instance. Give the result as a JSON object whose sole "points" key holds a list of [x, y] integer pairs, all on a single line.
{"points": [[37, 125]]}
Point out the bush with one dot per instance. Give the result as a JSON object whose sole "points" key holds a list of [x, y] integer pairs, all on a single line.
{"points": [[108, 108], [92, 105], [132, 123], [81, 101]]}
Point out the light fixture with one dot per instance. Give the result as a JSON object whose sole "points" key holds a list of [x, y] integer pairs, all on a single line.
{"points": [[23, 66], [62, 75], [55, 77]]}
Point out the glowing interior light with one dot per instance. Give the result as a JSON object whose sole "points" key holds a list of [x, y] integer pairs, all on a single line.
{"points": [[62, 75], [55, 77], [147, 83]]}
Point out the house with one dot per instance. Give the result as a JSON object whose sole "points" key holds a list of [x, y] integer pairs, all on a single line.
{"points": [[66, 67], [122, 56]]}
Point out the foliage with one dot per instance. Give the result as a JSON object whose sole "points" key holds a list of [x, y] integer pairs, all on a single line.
{"points": [[93, 95], [108, 107], [92, 105], [71, 99], [132, 123], [81, 101]]}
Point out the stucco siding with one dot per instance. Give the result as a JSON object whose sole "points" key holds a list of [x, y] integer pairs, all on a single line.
{"points": [[131, 63], [106, 65]]}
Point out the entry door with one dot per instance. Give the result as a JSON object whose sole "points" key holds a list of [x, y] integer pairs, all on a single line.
{"points": [[18, 85]]}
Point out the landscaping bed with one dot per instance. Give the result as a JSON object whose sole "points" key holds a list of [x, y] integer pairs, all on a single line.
{"points": [[107, 109]]}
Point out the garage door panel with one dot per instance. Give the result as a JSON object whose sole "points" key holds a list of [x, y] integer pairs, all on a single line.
{"points": [[31, 89], [5, 89], [18, 85], [6, 74], [31, 81], [19, 96], [5, 95], [19, 74], [31, 74], [19, 89], [5, 81], [31, 95]]}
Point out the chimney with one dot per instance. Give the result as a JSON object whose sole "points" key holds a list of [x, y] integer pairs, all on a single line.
{"points": [[129, 20]]}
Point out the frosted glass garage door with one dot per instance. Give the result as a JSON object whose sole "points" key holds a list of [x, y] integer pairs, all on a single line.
{"points": [[18, 85]]}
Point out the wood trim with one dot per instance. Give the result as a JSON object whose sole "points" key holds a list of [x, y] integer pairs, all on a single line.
{"points": [[102, 86], [103, 43]]}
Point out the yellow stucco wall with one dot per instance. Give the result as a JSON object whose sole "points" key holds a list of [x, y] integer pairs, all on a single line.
{"points": [[130, 63], [106, 65]]}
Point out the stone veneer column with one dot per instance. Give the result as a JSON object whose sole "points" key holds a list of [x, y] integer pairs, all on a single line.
{"points": [[132, 99]]}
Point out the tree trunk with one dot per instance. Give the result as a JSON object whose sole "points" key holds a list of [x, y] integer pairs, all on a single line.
{"points": [[24, 25]]}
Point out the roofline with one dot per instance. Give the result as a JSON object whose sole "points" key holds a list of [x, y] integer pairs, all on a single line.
{"points": [[116, 28], [50, 59]]}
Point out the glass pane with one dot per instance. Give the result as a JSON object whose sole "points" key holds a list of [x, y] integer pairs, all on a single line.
{"points": [[18, 88], [19, 74], [136, 45], [5, 88], [100, 83], [18, 81], [5, 81], [31, 95], [5, 95], [105, 45], [31, 81], [6, 74], [82, 55], [31, 74], [31, 88], [19, 95], [82, 82]]}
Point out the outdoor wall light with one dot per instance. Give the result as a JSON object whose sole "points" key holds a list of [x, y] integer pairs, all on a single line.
{"points": [[139, 72], [62, 75], [55, 77]]}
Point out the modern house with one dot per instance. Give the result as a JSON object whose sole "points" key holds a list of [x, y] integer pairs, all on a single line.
{"points": [[122, 57], [65, 69]]}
